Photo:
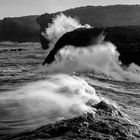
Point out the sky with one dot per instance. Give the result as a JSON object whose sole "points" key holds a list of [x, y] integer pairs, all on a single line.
{"points": [[15, 8]]}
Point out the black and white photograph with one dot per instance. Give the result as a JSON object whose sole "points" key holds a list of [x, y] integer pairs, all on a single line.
{"points": [[69, 69]]}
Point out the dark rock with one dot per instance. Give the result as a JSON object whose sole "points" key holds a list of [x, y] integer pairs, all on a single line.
{"points": [[44, 42], [104, 106], [81, 37], [125, 38], [86, 126]]}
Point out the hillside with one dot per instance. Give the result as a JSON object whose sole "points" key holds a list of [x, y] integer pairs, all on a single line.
{"points": [[100, 16], [21, 29], [26, 29]]}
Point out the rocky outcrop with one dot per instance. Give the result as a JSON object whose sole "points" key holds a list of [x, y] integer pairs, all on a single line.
{"points": [[126, 40], [81, 37], [107, 124], [120, 22]]}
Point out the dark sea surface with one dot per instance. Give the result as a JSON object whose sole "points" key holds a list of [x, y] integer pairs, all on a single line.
{"points": [[20, 65]]}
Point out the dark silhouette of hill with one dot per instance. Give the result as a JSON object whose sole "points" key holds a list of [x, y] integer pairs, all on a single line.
{"points": [[100, 16], [20, 29]]}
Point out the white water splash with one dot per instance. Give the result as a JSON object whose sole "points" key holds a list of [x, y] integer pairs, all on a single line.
{"points": [[102, 58], [61, 24]]}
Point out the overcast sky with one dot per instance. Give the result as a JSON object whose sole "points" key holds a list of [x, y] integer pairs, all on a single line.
{"points": [[12, 8]]}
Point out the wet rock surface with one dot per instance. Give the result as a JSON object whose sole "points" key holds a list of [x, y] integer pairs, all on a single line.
{"points": [[106, 124], [127, 46]]}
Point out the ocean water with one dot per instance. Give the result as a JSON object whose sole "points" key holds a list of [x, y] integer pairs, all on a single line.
{"points": [[17, 68], [30, 97]]}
